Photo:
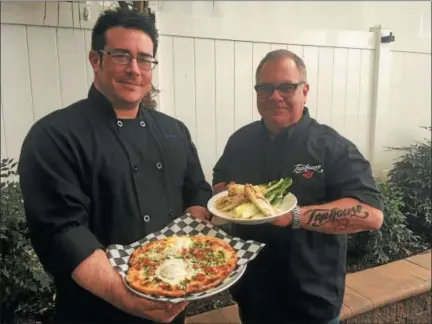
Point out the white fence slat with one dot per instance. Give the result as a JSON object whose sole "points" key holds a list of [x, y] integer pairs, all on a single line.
{"points": [[72, 66], [311, 61], [184, 82], [339, 89], [44, 70], [423, 63], [205, 103], [351, 129], [419, 83], [259, 50], [67, 14], [325, 85], [155, 80], [296, 49], [398, 79], [365, 102], [243, 84], [166, 75], [224, 56], [87, 48], [398, 97], [15, 87], [13, 12]]}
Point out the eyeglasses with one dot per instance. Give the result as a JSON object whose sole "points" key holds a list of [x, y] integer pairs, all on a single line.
{"points": [[285, 89], [123, 57]]}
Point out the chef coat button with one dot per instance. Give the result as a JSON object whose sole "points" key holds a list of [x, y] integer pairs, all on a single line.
{"points": [[119, 123], [146, 218], [135, 168], [170, 212], [142, 123], [158, 165]]}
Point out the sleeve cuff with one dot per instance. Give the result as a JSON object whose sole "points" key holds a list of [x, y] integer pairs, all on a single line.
{"points": [[218, 178], [201, 199], [71, 247]]}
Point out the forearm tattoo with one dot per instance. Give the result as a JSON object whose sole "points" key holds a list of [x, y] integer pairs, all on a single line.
{"points": [[340, 218]]}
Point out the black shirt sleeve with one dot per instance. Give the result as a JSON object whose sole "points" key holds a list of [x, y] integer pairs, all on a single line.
{"points": [[56, 207], [351, 177], [196, 190], [220, 170], [219, 174]]}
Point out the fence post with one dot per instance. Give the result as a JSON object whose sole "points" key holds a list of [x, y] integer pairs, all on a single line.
{"points": [[380, 98], [152, 8]]}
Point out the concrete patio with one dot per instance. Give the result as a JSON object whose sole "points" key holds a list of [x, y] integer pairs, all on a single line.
{"points": [[374, 295]]}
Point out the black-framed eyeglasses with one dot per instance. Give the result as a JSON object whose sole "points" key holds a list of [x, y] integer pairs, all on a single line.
{"points": [[285, 89], [144, 62]]}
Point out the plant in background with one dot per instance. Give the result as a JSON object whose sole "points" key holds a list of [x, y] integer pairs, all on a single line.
{"points": [[393, 241], [26, 289], [411, 174]]}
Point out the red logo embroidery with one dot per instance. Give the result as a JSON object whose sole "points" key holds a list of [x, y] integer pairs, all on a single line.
{"points": [[306, 170], [308, 174]]}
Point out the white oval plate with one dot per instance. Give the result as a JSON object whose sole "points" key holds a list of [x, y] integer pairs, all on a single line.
{"points": [[287, 204]]}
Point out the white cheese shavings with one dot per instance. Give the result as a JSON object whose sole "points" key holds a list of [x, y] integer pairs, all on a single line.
{"points": [[178, 245]]}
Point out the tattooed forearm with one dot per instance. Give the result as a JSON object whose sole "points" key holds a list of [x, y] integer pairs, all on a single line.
{"points": [[342, 216], [340, 219]]}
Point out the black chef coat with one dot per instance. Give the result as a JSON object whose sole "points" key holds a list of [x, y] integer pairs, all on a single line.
{"points": [[90, 180], [300, 275]]}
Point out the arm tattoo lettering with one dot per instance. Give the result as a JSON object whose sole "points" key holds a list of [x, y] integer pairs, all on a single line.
{"points": [[341, 218]]}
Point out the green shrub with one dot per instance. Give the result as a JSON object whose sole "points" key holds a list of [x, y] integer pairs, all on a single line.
{"points": [[393, 241], [25, 287], [411, 174]]}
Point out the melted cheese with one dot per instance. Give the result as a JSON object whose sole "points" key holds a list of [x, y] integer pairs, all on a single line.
{"points": [[173, 271], [178, 245], [182, 243]]}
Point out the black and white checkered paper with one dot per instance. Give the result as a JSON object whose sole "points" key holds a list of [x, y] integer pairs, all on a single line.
{"points": [[119, 255]]}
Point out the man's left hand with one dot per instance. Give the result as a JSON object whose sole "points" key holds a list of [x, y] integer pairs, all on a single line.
{"points": [[199, 212], [284, 220]]}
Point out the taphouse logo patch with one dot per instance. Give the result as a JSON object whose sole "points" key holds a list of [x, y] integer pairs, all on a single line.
{"points": [[307, 170]]}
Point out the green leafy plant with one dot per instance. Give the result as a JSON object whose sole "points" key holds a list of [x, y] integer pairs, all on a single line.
{"points": [[411, 174], [393, 241], [25, 287]]}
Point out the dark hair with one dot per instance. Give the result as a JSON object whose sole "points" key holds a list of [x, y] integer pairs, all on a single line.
{"points": [[125, 18], [282, 53]]}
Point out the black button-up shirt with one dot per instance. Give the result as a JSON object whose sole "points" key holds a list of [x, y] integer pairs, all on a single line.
{"points": [[300, 274], [90, 180]]}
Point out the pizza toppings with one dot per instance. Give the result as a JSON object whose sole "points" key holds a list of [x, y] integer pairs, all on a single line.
{"points": [[179, 265]]}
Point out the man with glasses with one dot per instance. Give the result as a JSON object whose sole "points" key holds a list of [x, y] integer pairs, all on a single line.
{"points": [[108, 170], [299, 276]]}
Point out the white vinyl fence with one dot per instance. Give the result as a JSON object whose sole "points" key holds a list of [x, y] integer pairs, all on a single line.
{"points": [[374, 94]]}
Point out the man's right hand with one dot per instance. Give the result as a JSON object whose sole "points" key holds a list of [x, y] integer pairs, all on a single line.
{"points": [[219, 187], [155, 311], [97, 275]]}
